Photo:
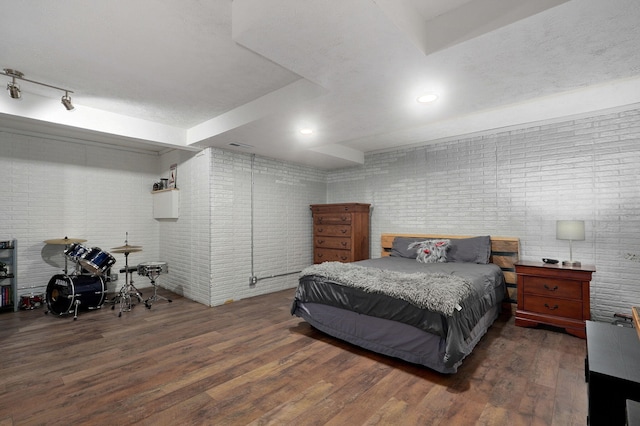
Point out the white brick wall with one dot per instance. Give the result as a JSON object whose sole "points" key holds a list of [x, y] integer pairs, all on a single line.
{"points": [[282, 193], [185, 242], [518, 183], [55, 188]]}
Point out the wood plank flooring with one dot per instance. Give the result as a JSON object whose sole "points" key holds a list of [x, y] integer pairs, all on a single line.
{"points": [[251, 362]]}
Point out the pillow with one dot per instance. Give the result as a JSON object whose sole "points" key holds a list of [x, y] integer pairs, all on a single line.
{"points": [[400, 247], [431, 251], [470, 250]]}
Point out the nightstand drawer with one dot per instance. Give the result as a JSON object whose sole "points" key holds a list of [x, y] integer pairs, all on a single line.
{"points": [[327, 255], [332, 230], [552, 287], [557, 307], [333, 243]]}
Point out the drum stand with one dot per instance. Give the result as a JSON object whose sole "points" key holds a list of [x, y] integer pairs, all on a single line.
{"points": [[152, 277], [127, 290]]}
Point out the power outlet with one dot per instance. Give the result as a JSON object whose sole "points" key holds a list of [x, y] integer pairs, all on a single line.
{"points": [[253, 280]]}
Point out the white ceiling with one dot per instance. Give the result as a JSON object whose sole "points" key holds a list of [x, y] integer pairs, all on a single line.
{"points": [[187, 74]]}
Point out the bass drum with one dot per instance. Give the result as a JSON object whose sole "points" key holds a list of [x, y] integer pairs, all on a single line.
{"points": [[63, 292]]}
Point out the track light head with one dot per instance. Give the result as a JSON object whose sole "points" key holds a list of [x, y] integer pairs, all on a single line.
{"points": [[66, 101], [14, 90]]}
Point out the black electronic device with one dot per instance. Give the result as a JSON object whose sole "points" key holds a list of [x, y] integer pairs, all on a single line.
{"points": [[549, 261]]}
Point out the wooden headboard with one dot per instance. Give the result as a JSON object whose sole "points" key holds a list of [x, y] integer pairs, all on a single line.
{"points": [[505, 252]]}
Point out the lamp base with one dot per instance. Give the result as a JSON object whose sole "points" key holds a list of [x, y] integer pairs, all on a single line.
{"points": [[571, 263]]}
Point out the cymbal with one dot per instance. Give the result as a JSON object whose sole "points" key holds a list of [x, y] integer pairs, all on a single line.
{"points": [[65, 240], [126, 246], [127, 250]]}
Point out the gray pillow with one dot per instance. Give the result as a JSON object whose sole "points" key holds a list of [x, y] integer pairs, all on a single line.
{"points": [[470, 250], [400, 247]]}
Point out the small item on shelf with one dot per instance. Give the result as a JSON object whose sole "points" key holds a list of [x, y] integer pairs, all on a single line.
{"points": [[549, 261], [5, 245]]}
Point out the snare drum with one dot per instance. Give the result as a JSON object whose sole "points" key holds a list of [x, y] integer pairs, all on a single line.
{"points": [[96, 260], [153, 268], [63, 291], [75, 250]]}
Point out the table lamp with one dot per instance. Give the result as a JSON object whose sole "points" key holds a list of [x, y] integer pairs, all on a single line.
{"points": [[572, 230]]}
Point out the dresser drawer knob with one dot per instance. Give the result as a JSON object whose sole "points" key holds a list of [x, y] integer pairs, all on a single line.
{"points": [[344, 231], [344, 218], [344, 243], [551, 308], [320, 229], [320, 254], [343, 258], [320, 241], [551, 289]]}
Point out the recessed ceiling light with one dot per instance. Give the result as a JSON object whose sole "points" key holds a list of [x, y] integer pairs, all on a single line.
{"points": [[306, 131], [426, 98]]}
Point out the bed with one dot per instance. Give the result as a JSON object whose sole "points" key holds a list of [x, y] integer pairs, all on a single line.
{"points": [[428, 299]]}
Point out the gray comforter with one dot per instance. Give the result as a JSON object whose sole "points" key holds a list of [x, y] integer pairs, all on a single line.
{"points": [[487, 290]]}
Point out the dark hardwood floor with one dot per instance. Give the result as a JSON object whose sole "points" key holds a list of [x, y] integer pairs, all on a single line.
{"points": [[251, 362]]}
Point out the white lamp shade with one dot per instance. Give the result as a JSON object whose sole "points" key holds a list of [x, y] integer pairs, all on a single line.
{"points": [[570, 230]]}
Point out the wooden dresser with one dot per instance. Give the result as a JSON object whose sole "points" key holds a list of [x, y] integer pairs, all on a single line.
{"points": [[554, 295], [340, 232]]}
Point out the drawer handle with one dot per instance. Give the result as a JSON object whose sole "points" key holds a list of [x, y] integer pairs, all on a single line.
{"points": [[344, 243], [320, 241], [344, 218], [551, 308], [344, 231], [343, 258], [320, 229], [551, 289], [319, 254]]}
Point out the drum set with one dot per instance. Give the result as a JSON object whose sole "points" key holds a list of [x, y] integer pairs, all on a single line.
{"points": [[84, 288]]}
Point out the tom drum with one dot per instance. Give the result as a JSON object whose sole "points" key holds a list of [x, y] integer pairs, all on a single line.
{"points": [[75, 250], [96, 260]]}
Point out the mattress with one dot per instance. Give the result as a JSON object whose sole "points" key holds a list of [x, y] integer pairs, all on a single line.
{"points": [[398, 328]]}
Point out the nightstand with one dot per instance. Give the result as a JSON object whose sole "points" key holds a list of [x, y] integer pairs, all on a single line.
{"points": [[554, 295]]}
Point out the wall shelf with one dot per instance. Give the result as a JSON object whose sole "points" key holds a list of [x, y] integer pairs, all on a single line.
{"points": [[166, 203], [8, 280]]}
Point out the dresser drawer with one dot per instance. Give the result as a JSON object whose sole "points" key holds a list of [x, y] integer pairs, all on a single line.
{"points": [[329, 255], [333, 243], [557, 307], [552, 287], [333, 219], [332, 230]]}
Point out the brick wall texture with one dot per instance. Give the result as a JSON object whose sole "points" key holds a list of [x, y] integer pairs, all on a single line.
{"points": [[244, 215]]}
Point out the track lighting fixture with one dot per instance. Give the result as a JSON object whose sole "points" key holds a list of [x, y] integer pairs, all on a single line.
{"points": [[66, 101], [15, 92], [13, 88]]}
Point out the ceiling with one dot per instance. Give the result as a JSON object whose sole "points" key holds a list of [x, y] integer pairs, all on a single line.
{"points": [[158, 75]]}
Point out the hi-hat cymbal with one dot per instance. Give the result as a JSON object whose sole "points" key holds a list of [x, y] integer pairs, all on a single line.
{"points": [[126, 246], [127, 250], [65, 240]]}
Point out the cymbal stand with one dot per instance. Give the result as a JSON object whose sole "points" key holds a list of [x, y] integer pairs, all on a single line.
{"points": [[127, 290]]}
